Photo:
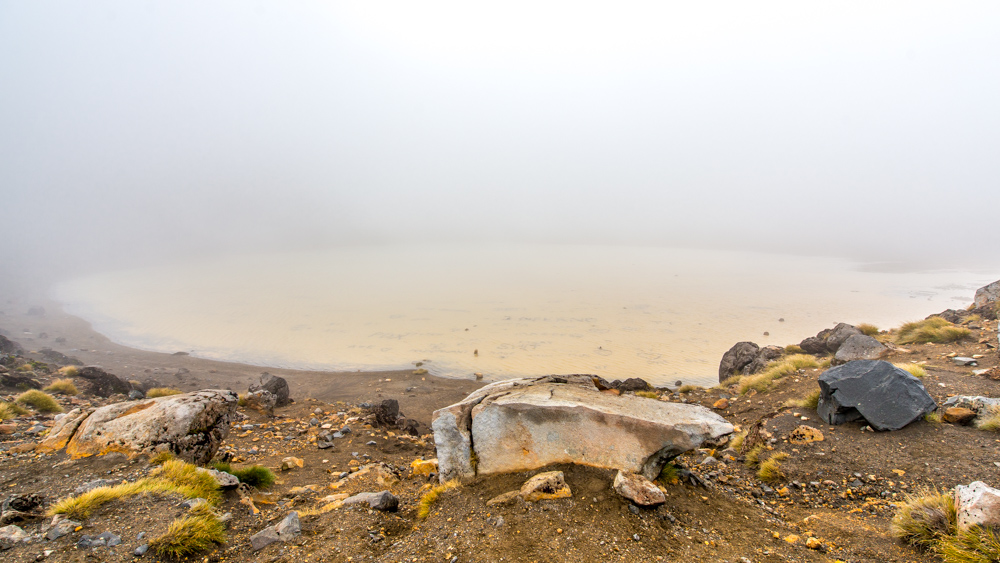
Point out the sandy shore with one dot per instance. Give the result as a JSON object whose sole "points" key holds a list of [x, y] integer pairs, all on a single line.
{"points": [[418, 395]]}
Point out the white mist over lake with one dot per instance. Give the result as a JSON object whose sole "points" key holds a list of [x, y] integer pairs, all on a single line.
{"points": [[656, 313]]}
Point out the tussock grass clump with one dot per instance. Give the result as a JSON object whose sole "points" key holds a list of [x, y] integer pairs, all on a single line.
{"points": [[69, 371], [737, 440], [647, 394], [762, 381], [752, 457], [62, 387], [810, 401], [428, 499], [162, 392], [924, 518], [989, 420], [770, 470], [160, 458], [420, 371], [668, 475], [916, 370], [732, 380], [868, 329], [196, 532], [38, 400], [934, 329], [687, 388], [794, 349], [173, 477], [241, 399], [976, 545], [933, 417], [10, 411], [25, 367], [256, 476]]}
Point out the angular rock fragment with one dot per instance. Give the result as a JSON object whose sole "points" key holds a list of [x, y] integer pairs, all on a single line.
{"points": [[886, 396], [977, 504], [549, 485], [638, 489], [987, 294], [288, 528], [859, 347], [102, 383]]}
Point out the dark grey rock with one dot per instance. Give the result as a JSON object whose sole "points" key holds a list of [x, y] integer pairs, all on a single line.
{"points": [[383, 501], [59, 527], [813, 345], [11, 536], [135, 395], [285, 530], [141, 550], [102, 383], [737, 358], [110, 539], [766, 355], [839, 335], [264, 538], [8, 346], [260, 400], [277, 386], [24, 502], [859, 347], [887, 397], [386, 412]]}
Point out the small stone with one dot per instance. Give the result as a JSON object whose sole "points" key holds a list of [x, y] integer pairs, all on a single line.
{"points": [[141, 550], [291, 462], [313, 421], [371, 443], [964, 361], [792, 538], [805, 434], [721, 404], [223, 479], [813, 543], [638, 489], [545, 486]]}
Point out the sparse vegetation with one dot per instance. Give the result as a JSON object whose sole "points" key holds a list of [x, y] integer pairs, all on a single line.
{"points": [[38, 400], [10, 411], [430, 497], [668, 475], [256, 476], [923, 519], [794, 349], [933, 417], [241, 399], [752, 457], [420, 371], [934, 329], [687, 388], [730, 381], [196, 532], [160, 458], [62, 387], [173, 477], [976, 545], [989, 420], [162, 392], [868, 329], [737, 440], [916, 370], [770, 470], [69, 371], [647, 394], [810, 401], [825, 363], [762, 381]]}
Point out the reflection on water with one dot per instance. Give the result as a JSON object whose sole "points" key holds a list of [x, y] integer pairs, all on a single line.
{"points": [[660, 314]]}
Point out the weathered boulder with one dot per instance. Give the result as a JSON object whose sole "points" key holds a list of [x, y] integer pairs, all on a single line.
{"points": [[190, 425], [8, 346], [261, 401], [549, 485], [102, 383], [19, 381], [859, 347], [631, 384], [977, 504], [987, 294], [886, 396], [283, 531], [813, 345], [64, 428], [736, 358], [524, 424], [385, 412], [766, 355], [275, 385], [638, 489], [839, 335]]}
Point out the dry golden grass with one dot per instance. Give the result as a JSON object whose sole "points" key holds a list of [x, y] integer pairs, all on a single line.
{"points": [[934, 329], [976, 545], [868, 329], [162, 392], [38, 400], [428, 499], [770, 470], [196, 532], [420, 371], [160, 458], [924, 518], [752, 457], [69, 371], [762, 381], [916, 370], [687, 388], [10, 411], [733, 380], [794, 349], [737, 440], [810, 401], [62, 387], [989, 420], [173, 477], [647, 394]]}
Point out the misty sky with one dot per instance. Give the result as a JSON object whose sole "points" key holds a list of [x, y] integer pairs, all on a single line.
{"points": [[134, 131]]}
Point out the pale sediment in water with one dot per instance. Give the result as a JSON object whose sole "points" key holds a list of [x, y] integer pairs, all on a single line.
{"points": [[504, 311]]}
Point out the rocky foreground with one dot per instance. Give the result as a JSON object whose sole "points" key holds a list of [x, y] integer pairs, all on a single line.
{"points": [[360, 481]]}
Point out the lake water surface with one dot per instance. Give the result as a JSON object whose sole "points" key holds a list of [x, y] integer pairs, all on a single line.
{"points": [[656, 313]]}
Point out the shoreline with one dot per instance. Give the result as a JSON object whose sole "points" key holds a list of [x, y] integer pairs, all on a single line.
{"points": [[418, 395]]}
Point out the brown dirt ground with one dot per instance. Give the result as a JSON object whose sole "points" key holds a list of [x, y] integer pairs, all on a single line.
{"points": [[733, 517]]}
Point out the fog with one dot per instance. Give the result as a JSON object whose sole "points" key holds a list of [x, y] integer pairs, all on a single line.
{"points": [[139, 132]]}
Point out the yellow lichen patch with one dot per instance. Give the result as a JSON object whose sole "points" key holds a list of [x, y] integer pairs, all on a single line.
{"points": [[138, 408]]}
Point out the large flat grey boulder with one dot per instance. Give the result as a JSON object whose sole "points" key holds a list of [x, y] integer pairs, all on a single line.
{"points": [[524, 424], [190, 425], [886, 396]]}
